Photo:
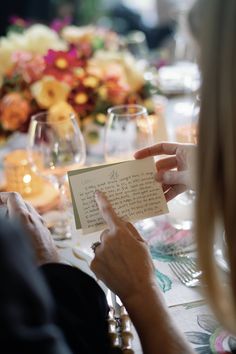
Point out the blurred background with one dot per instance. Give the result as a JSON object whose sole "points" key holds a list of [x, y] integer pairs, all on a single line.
{"points": [[157, 19], [82, 57]]}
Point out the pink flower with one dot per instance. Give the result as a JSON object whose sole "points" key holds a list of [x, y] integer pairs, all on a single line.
{"points": [[58, 24], [30, 66], [61, 64]]}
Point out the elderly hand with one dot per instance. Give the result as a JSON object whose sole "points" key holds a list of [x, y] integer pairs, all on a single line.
{"points": [[122, 260], [32, 222], [176, 172]]}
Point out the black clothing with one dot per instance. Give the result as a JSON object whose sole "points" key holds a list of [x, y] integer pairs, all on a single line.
{"points": [[81, 308], [64, 315]]}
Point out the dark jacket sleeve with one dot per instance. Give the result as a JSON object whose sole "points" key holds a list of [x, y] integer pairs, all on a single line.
{"points": [[26, 307], [81, 309]]}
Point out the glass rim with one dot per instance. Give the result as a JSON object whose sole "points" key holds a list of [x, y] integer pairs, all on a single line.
{"points": [[142, 110], [34, 118]]}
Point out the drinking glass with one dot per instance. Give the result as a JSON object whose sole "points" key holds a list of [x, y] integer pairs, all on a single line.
{"points": [[128, 129], [181, 208], [60, 147]]}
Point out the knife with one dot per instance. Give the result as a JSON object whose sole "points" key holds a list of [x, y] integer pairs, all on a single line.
{"points": [[113, 330], [125, 325]]}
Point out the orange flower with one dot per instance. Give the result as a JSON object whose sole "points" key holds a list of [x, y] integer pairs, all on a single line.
{"points": [[14, 111]]}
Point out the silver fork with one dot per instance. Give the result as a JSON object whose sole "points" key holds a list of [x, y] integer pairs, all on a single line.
{"points": [[188, 264], [186, 271]]}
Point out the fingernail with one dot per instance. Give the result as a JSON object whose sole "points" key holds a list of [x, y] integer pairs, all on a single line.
{"points": [[97, 194]]}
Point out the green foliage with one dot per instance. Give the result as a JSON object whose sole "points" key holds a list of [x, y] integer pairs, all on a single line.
{"points": [[12, 84], [16, 29], [98, 43], [90, 10]]}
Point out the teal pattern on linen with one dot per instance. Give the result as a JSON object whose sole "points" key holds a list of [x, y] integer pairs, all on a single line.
{"points": [[166, 245], [164, 281], [159, 253], [163, 253]]}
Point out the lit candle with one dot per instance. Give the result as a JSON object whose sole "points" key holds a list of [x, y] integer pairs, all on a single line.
{"points": [[19, 174], [160, 131], [187, 133]]}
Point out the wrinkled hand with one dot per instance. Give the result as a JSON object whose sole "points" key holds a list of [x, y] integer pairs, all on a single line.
{"points": [[32, 222], [176, 172], [122, 261]]}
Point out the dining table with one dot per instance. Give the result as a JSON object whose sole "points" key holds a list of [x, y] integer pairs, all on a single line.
{"points": [[167, 243], [187, 305]]}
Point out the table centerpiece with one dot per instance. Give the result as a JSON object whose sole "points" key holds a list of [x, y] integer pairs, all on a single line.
{"points": [[66, 69]]}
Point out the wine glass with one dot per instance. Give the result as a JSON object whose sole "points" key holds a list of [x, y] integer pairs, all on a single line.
{"points": [[184, 49], [60, 146], [128, 129], [181, 208]]}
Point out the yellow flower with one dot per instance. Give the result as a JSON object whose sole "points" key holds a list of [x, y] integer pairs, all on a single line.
{"points": [[81, 98], [103, 92], [79, 72], [49, 91], [61, 63], [90, 81], [101, 118], [60, 113]]}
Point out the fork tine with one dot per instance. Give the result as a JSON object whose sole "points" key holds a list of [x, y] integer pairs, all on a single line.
{"points": [[186, 268], [183, 277], [182, 271], [177, 273], [190, 267]]}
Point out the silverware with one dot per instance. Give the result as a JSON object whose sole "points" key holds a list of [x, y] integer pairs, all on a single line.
{"points": [[122, 326], [112, 323], [186, 272], [189, 265], [125, 328]]}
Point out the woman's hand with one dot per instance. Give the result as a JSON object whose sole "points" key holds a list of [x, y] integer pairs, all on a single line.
{"points": [[176, 172], [32, 222], [122, 260]]}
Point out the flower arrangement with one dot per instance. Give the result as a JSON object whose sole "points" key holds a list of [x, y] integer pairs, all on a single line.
{"points": [[65, 69]]}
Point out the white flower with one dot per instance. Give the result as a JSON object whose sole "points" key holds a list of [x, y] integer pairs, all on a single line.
{"points": [[6, 50], [73, 34], [104, 61], [40, 39], [37, 39]]}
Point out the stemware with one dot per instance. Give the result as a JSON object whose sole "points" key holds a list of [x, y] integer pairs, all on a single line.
{"points": [[60, 146], [128, 129], [181, 208]]}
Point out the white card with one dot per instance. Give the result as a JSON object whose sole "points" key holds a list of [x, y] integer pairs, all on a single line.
{"points": [[130, 187]]}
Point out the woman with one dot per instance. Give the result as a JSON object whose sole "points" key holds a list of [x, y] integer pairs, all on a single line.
{"points": [[53, 309], [118, 257]]}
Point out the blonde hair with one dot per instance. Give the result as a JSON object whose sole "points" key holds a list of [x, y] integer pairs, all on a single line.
{"points": [[214, 24]]}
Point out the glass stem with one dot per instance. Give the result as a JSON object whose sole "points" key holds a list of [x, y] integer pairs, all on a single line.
{"points": [[62, 229]]}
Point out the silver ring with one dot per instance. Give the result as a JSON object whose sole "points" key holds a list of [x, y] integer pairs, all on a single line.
{"points": [[95, 245]]}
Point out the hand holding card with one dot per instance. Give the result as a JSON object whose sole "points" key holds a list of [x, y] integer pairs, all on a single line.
{"points": [[130, 187]]}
